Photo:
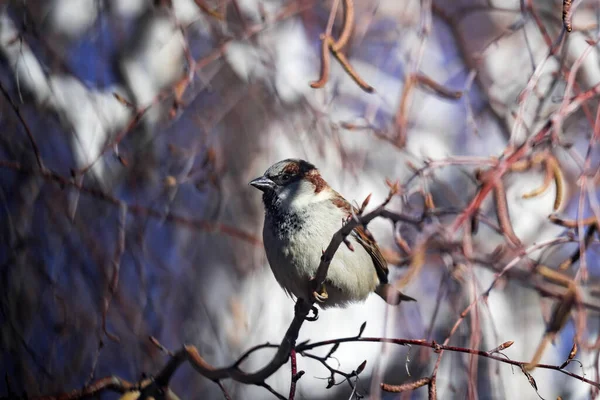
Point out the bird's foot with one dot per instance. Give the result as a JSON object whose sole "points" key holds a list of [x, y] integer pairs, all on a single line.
{"points": [[301, 307], [315, 315], [322, 296]]}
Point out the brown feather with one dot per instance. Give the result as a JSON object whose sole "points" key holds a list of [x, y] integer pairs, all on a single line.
{"points": [[365, 240], [314, 177], [371, 247]]}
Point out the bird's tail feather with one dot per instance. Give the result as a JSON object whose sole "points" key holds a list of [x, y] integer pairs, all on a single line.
{"points": [[392, 296]]}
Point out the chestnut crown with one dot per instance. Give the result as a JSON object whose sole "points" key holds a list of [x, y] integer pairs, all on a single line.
{"points": [[283, 173]]}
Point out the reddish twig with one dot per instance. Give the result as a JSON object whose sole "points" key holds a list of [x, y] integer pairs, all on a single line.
{"points": [[134, 209], [329, 44], [351, 71], [348, 24], [401, 117], [113, 384], [567, 15], [34, 146], [409, 386], [492, 176], [223, 390], [439, 348], [439, 89], [295, 375], [286, 12], [116, 264], [503, 214], [213, 13], [325, 63]]}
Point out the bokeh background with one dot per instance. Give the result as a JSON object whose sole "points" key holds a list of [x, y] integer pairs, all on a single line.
{"points": [[150, 117]]}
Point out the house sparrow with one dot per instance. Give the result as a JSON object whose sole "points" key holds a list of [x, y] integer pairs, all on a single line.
{"points": [[302, 213]]}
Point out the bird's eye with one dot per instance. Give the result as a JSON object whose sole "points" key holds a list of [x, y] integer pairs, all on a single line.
{"points": [[285, 177]]}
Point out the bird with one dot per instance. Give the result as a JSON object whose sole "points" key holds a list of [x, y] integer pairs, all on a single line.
{"points": [[302, 213]]}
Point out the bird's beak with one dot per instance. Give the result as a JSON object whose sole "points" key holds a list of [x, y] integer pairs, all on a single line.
{"points": [[263, 183]]}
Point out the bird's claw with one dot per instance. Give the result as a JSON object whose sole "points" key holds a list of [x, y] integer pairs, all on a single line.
{"points": [[301, 307], [315, 315], [321, 297]]}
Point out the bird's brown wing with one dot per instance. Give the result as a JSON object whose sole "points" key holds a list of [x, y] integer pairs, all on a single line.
{"points": [[369, 244], [365, 240]]}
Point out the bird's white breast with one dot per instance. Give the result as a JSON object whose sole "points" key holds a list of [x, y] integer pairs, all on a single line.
{"points": [[294, 241]]}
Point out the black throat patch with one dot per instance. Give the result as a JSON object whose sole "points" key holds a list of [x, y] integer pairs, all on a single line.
{"points": [[283, 223]]}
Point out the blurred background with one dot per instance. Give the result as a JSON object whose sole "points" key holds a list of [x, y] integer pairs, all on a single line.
{"points": [[130, 130]]}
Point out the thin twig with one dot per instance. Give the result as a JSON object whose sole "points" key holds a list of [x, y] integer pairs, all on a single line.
{"points": [[34, 146]]}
